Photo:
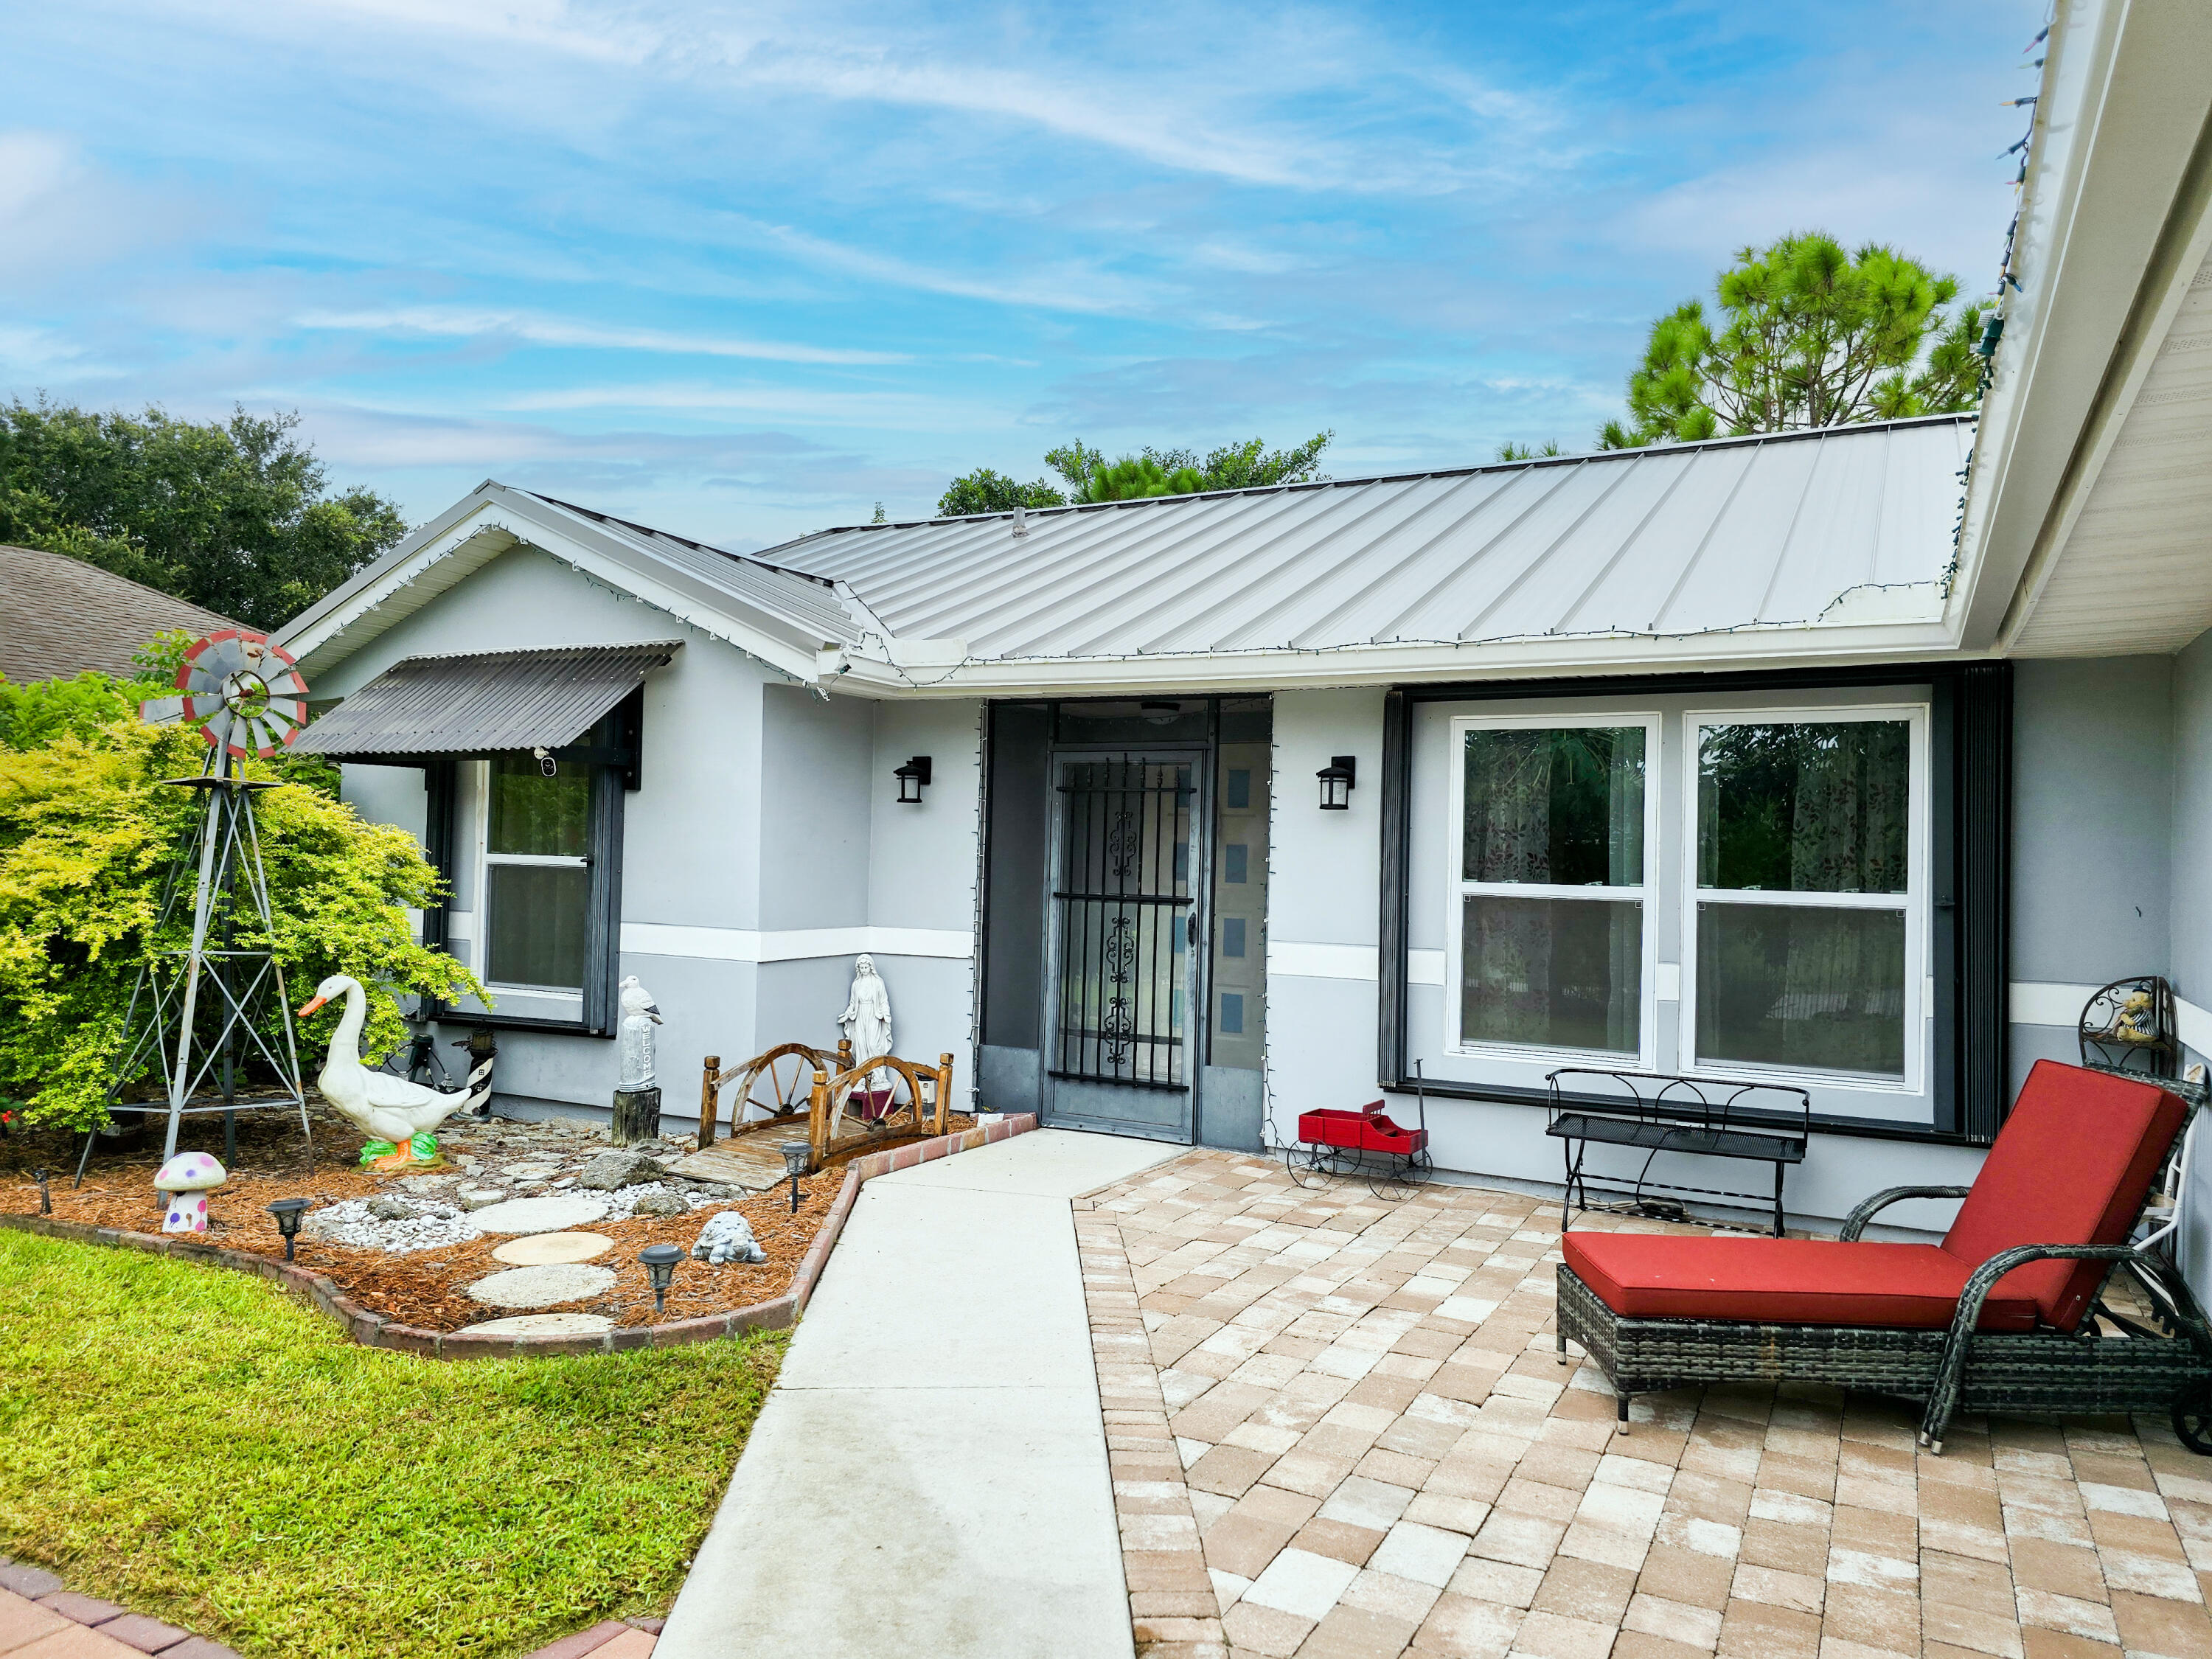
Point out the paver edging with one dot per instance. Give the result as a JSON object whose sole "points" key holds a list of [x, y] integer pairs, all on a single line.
{"points": [[373, 1330]]}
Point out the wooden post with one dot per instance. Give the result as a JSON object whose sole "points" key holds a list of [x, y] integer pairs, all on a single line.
{"points": [[817, 1118], [709, 1090], [944, 1091], [637, 1116]]}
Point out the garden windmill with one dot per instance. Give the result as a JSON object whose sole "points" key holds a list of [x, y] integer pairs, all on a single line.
{"points": [[203, 1008]]}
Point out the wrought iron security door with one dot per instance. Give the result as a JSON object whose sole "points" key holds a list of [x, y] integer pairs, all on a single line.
{"points": [[1126, 904]]}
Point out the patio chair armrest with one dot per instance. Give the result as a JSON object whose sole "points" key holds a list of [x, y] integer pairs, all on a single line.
{"points": [[1950, 1374], [1855, 1222]]}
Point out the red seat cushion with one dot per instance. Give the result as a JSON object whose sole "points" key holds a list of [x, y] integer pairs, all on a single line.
{"points": [[2072, 1165], [1783, 1281]]}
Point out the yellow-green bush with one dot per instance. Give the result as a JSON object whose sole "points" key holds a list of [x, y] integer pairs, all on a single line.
{"points": [[88, 832]]}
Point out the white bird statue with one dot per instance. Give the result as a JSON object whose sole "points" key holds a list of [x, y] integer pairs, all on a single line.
{"points": [[386, 1108]]}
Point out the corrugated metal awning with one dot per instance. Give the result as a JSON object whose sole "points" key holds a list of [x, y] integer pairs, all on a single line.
{"points": [[490, 704]]}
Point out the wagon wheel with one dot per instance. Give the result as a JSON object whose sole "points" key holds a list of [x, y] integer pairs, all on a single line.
{"points": [[1302, 1162], [782, 1085], [2193, 1418]]}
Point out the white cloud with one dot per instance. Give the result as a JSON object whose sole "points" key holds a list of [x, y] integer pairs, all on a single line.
{"points": [[455, 322], [798, 405]]}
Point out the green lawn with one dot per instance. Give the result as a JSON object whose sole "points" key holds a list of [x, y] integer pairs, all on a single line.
{"points": [[191, 1443]]}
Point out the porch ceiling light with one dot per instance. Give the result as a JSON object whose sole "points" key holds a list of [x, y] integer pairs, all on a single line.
{"points": [[913, 779], [1336, 781]]}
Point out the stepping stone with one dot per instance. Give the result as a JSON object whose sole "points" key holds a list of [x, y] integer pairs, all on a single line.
{"points": [[543, 1249], [543, 1286], [555, 1324], [539, 1215]]}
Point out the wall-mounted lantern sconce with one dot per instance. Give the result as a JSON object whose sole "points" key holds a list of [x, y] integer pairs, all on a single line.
{"points": [[1336, 781], [914, 778]]}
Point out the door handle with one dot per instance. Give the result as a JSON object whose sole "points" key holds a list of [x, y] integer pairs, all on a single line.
{"points": [[1190, 930]]}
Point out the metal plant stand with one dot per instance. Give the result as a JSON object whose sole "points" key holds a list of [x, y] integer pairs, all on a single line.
{"points": [[212, 1010]]}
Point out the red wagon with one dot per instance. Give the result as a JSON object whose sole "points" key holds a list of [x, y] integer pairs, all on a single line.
{"points": [[1362, 1142]]}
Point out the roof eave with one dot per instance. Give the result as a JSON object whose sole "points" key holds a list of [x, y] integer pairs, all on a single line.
{"points": [[488, 522]]}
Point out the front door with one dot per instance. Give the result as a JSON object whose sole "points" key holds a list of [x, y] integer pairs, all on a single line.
{"points": [[1127, 912]]}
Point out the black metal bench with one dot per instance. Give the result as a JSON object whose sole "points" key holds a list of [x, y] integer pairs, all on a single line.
{"points": [[1659, 1113]]}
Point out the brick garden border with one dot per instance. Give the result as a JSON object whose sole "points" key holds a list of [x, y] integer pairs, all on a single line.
{"points": [[373, 1330]]}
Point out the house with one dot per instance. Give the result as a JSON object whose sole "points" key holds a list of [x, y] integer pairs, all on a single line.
{"points": [[64, 617], [1852, 760]]}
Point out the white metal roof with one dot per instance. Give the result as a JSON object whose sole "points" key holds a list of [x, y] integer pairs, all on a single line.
{"points": [[1794, 530]]}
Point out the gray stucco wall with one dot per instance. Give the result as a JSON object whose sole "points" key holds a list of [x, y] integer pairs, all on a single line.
{"points": [[2092, 768]]}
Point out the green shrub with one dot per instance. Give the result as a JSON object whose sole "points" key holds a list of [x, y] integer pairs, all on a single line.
{"points": [[88, 833]]}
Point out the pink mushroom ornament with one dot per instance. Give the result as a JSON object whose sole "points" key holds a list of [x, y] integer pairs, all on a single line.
{"points": [[186, 1179]]}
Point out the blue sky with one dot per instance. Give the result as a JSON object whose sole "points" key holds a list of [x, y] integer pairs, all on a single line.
{"points": [[742, 271]]}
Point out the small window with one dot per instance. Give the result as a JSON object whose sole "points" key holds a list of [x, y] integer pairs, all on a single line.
{"points": [[1238, 788], [1232, 936], [1232, 1014], [537, 876], [1551, 923], [1234, 861]]}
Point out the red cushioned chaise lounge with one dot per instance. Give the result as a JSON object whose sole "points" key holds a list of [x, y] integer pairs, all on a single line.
{"points": [[2002, 1315]]}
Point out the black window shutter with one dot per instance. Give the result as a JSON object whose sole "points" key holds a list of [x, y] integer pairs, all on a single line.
{"points": [[602, 922], [1982, 774]]}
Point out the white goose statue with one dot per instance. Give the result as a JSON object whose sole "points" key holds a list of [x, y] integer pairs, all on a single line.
{"points": [[386, 1108]]}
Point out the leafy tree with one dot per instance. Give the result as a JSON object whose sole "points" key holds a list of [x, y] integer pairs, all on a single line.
{"points": [[1231, 466], [232, 515], [986, 491], [1136, 476], [1510, 452], [88, 833], [1809, 335]]}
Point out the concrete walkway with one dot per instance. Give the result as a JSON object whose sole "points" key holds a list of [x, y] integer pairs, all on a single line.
{"points": [[929, 1476]]}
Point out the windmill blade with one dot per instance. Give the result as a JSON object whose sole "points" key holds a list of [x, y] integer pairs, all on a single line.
{"points": [[160, 711], [217, 730], [287, 684]]}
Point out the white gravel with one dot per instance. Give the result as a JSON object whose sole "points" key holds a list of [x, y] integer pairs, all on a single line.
{"points": [[350, 1223], [625, 1200]]}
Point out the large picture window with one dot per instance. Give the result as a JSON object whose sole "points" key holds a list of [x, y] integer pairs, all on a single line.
{"points": [[1777, 926], [1804, 890], [1551, 927]]}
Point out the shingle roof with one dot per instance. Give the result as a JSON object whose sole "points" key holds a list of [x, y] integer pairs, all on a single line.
{"points": [[1684, 539], [61, 617]]}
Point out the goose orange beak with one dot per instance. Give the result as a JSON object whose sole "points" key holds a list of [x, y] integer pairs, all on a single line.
{"points": [[309, 1007]]}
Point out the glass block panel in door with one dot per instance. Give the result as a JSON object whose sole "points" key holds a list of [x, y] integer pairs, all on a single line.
{"points": [[1802, 986], [1554, 807], [536, 925], [535, 815], [1552, 973], [1804, 807]]}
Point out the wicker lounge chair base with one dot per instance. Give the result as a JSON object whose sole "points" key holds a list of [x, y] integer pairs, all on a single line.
{"points": [[2030, 1374]]}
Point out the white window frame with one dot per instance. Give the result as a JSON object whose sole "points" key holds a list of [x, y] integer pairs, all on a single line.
{"points": [[1913, 902], [486, 862], [1647, 894]]}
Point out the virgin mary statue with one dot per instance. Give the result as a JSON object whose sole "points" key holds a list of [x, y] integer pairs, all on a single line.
{"points": [[866, 1020]]}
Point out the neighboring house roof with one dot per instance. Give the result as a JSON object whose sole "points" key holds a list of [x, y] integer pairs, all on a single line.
{"points": [[1789, 545], [781, 616], [1785, 533], [61, 617]]}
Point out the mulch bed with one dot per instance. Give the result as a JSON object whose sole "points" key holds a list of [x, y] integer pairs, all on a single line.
{"points": [[423, 1288]]}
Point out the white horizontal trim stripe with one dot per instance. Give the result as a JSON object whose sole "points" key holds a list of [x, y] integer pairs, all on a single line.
{"points": [[460, 926], [1424, 967], [654, 938], [1323, 961], [2044, 1002]]}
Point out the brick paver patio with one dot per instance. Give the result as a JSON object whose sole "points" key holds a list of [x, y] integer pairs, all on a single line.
{"points": [[1339, 1428]]}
